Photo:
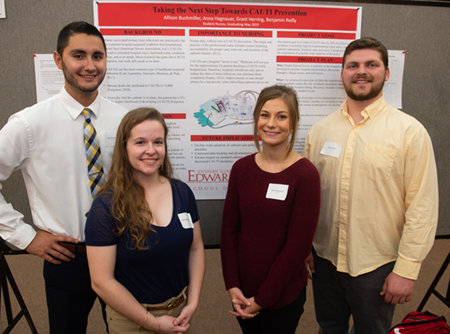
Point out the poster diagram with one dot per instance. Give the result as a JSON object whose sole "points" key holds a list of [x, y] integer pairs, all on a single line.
{"points": [[227, 110]]}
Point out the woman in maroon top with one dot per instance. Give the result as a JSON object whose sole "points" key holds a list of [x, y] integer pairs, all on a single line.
{"points": [[269, 219]]}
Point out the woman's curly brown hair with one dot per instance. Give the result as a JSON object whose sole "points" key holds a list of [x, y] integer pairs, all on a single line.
{"points": [[129, 206]]}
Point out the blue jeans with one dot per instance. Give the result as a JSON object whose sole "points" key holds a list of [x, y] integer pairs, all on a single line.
{"points": [[338, 295], [283, 320]]}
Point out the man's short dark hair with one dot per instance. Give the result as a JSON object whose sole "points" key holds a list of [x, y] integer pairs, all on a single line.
{"points": [[78, 27], [367, 43]]}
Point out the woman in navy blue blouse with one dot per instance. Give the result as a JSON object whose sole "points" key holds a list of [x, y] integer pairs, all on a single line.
{"points": [[145, 250]]}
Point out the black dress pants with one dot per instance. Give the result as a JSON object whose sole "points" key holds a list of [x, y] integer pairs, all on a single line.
{"points": [[69, 295], [283, 320]]}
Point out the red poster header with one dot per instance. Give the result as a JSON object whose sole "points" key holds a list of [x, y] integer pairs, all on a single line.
{"points": [[255, 16], [222, 138], [315, 35], [142, 32], [174, 116], [309, 59], [230, 33]]}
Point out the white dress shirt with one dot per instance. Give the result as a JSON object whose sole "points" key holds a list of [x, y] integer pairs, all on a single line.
{"points": [[46, 142]]}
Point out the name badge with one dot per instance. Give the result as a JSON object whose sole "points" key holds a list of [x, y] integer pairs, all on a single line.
{"points": [[331, 149], [277, 191], [110, 138], [186, 220]]}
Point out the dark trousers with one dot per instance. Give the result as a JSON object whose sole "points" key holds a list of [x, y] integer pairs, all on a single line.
{"points": [[339, 295], [283, 320], [69, 295]]}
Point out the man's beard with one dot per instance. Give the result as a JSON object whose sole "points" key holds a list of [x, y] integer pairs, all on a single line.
{"points": [[374, 92]]}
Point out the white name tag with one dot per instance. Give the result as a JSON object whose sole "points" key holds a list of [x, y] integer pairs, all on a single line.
{"points": [[331, 149], [110, 138], [277, 191], [186, 220]]}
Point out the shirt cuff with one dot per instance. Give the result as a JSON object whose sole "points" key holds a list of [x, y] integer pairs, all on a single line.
{"points": [[406, 268], [22, 236]]}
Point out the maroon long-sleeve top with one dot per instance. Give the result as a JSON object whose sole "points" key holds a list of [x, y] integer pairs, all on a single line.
{"points": [[264, 241]]}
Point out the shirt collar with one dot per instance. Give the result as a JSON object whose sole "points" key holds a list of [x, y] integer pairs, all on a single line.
{"points": [[371, 111], [74, 108]]}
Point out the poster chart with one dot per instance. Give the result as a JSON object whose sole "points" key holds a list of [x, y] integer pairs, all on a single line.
{"points": [[202, 65]]}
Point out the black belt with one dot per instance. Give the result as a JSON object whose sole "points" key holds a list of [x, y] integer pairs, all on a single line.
{"points": [[74, 248]]}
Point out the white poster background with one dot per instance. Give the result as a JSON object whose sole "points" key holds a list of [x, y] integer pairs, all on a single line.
{"points": [[205, 80], [2, 9], [49, 78], [393, 87]]}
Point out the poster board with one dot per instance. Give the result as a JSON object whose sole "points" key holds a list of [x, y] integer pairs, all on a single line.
{"points": [[32, 27]]}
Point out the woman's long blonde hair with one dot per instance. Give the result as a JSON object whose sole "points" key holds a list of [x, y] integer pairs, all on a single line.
{"points": [[129, 206]]}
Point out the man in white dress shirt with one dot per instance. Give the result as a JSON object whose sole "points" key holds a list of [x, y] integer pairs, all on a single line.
{"points": [[46, 142]]}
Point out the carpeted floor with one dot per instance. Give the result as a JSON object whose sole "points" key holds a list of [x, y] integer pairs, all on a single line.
{"points": [[212, 316]]}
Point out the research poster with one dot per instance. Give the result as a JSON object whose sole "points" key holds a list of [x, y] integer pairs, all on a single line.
{"points": [[202, 65]]}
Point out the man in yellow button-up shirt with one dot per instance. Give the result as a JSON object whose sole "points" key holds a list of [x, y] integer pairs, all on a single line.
{"points": [[379, 200]]}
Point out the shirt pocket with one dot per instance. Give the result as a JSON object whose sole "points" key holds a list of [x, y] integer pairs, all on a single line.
{"points": [[377, 161]]}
